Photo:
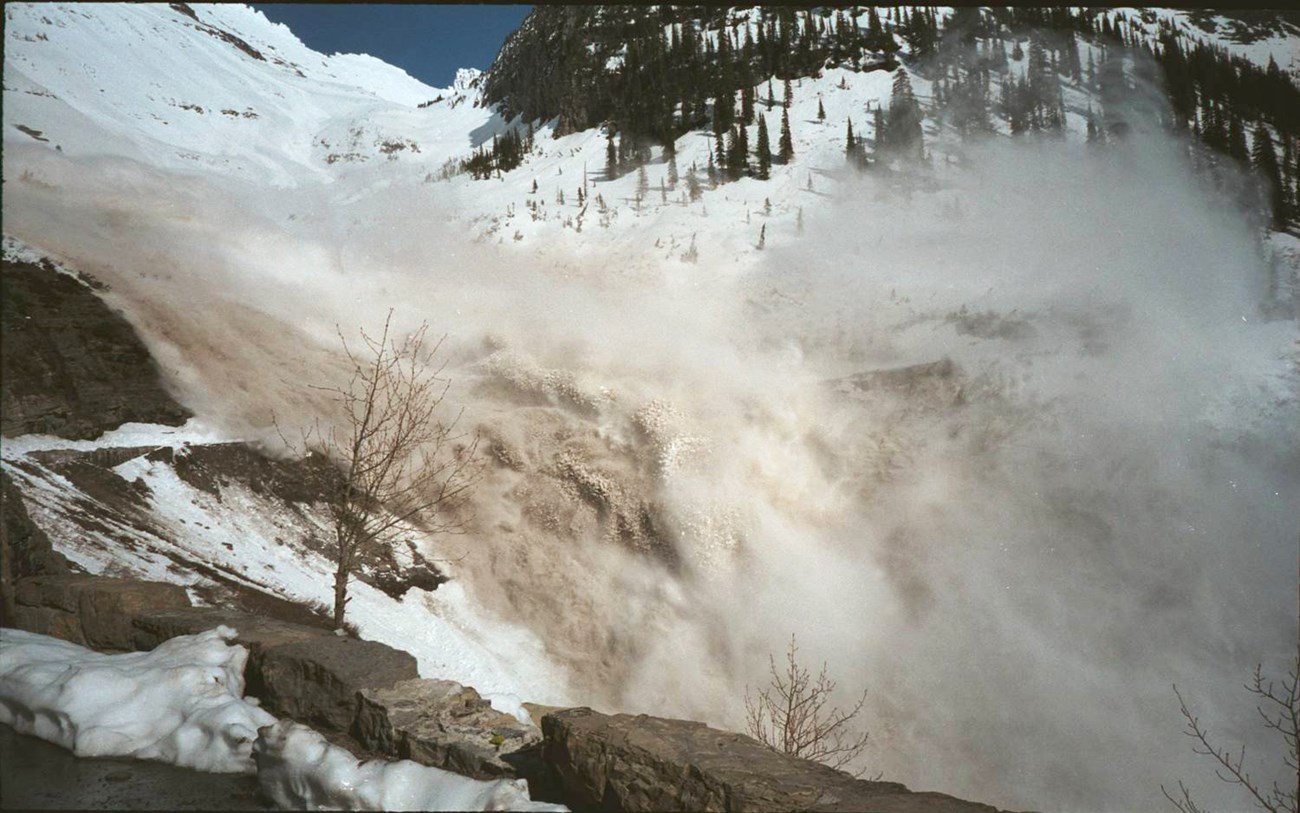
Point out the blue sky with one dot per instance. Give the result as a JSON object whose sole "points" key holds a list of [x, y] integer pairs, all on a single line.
{"points": [[427, 41]]}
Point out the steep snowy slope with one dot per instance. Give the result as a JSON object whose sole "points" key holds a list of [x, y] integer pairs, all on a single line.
{"points": [[216, 88]]}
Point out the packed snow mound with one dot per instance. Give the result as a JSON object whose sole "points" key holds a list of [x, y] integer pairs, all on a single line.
{"points": [[299, 770], [182, 703]]}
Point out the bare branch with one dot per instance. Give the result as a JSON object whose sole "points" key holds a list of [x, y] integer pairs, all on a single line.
{"points": [[401, 464], [1279, 711], [790, 715]]}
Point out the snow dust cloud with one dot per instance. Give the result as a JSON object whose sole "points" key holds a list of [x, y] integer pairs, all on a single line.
{"points": [[1088, 492]]}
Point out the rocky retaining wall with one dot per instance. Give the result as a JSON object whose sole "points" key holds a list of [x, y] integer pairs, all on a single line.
{"points": [[369, 697]]}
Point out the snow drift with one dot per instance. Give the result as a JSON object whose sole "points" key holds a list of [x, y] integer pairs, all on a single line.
{"points": [[181, 703], [299, 770]]}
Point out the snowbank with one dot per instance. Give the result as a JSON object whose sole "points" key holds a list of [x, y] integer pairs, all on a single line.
{"points": [[181, 703], [299, 770]]}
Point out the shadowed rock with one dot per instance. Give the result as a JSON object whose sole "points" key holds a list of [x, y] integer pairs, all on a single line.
{"points": [[627, 762], [319, 681], [94, 611], [71, 366]]}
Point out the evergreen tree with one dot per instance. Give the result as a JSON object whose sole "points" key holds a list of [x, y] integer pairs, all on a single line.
{"points": [[1093, 132], [903, 130], [642, 183], [693, 183], [712, 172], [611, 157], [1264, 159], [821, 111], [670, 153], [788, 94], [1237, 140], [765, 151], [850, 143], [786, 147]]}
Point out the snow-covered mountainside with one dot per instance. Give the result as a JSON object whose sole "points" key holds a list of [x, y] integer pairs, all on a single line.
{"points": [[1003, 428]]}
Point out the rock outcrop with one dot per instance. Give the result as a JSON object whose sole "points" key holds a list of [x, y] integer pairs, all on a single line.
{"points": [[25, 550], [93, 611], [626, 762], [30, 551], [319, 681], [70, 366], [364, 695], [443, 724]]}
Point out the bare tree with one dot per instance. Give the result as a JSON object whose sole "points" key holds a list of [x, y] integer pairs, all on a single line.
{"points": [[1279, 710], [791, 715], [401, 462]]}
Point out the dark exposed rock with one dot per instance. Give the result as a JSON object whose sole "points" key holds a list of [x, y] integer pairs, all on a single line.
{"points": [[71, 366], [312, 479], [318, 681], [936, 382], [258, 633], [443, 724], [92, 610], [255, 632], [25, 546], [634, 763], [48, 621]]}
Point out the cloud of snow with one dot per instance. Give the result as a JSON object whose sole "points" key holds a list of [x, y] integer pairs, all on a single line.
{"points": [[1016, 557], [1109, 507]]}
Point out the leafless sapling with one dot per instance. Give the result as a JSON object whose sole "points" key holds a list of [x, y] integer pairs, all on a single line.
{"points": [[401, 462], [792, 716]]}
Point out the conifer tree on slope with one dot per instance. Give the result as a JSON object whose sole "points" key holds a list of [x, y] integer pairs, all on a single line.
{"points": [[1264, 157], [764, 150], [903, 128], [786, 147]]}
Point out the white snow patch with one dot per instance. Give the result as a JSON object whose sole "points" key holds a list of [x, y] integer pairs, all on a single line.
{"points": [[299, 770], [181, 703], [194, 431]]}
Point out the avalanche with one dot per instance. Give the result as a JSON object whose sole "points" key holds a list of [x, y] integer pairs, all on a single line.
{"points": [[1009, 441]]}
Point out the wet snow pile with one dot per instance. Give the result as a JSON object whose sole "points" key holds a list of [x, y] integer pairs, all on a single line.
{"points": [[299, 770], [182, 703]]}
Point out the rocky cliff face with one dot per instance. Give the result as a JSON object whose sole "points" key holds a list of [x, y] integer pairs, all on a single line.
{"points": [[71, 366]]}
